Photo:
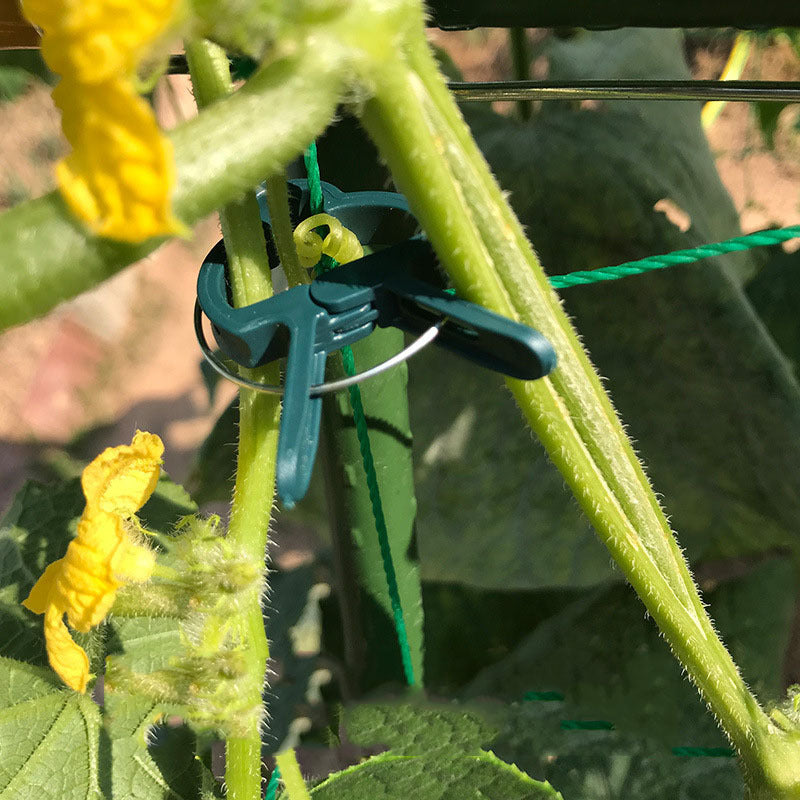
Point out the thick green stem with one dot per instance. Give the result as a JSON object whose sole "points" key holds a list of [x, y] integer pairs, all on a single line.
{"points": [[249, 272], [436, 163], [48, 256]]}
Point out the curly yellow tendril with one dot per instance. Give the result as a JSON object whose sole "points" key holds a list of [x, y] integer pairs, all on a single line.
{"points": [[118, 179], [340, 244], [102, 556]]}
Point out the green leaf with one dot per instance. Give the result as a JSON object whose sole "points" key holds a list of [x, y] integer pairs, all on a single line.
{"points": [[775, 294], [42, 519], [434, 752], [389, 777], [49, 737], [610, 663], [166, 769], [409, 729]]}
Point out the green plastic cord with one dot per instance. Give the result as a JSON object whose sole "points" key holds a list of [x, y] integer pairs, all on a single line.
{"points": [[272, 786], [360, 420], [677, 257]]}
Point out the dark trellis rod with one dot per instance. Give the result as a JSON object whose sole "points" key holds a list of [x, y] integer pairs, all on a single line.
{"points": [[748, 91], [614, 13]]}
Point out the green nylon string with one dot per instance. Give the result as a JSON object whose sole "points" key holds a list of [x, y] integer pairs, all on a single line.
{"points": [[586, 725], [272, 786], [314, 180], [704, 752], [689, 256], [360, 421]]}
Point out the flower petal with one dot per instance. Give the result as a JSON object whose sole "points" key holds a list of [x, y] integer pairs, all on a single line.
{"points": [[39, 597], [94, 40], [67, 658], [83, 584], [120, 174], [121, 479]]}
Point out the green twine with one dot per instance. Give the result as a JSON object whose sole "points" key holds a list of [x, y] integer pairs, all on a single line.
{"points": [[586, 725], [360, 421], [689, 256], [604, 725], [547, 697], [704, 752], [314, 180], [272, 786]]}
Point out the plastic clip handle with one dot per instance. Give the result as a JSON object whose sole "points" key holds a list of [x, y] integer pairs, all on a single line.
{"points": [[471, 331], [300, 418]]}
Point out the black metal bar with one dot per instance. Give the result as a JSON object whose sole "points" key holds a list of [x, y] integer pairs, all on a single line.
{"points": [[748, 91], [614, 13]]}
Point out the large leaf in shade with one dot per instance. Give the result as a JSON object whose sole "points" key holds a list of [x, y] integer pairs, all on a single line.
{"points": [[435, 754], [388, 777], [709, 401], [775, 293], [605, 764], [600, 764], [610, 663]]}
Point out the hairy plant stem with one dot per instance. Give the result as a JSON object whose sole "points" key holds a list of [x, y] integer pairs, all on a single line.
{"points": [[436, 163], [281, 224], [249, 272], [291, 777]]}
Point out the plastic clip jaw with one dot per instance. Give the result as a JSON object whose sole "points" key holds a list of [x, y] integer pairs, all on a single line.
{"points": [[306, 323], [468, 330]]}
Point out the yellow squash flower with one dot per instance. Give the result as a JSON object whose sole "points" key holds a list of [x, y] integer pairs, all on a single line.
{"points": [[101, 557], [120, 174]]}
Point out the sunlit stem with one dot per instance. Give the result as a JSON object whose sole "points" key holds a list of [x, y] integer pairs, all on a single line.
{"points": [[249, 273]]}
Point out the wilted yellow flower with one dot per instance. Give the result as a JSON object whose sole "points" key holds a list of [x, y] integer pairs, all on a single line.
{"points": [[120, 174], [101, 557]]}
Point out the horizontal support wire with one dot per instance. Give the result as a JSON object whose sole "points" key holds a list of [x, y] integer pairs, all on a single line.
{"points": [[731, 91], [485, 91]]}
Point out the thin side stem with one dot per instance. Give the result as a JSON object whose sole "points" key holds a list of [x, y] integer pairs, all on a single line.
{"points": [[281, 223], [290, 775], [259, 414]]}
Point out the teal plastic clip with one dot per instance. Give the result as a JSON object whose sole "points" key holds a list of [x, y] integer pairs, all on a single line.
{"points": [[306, 323]]}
